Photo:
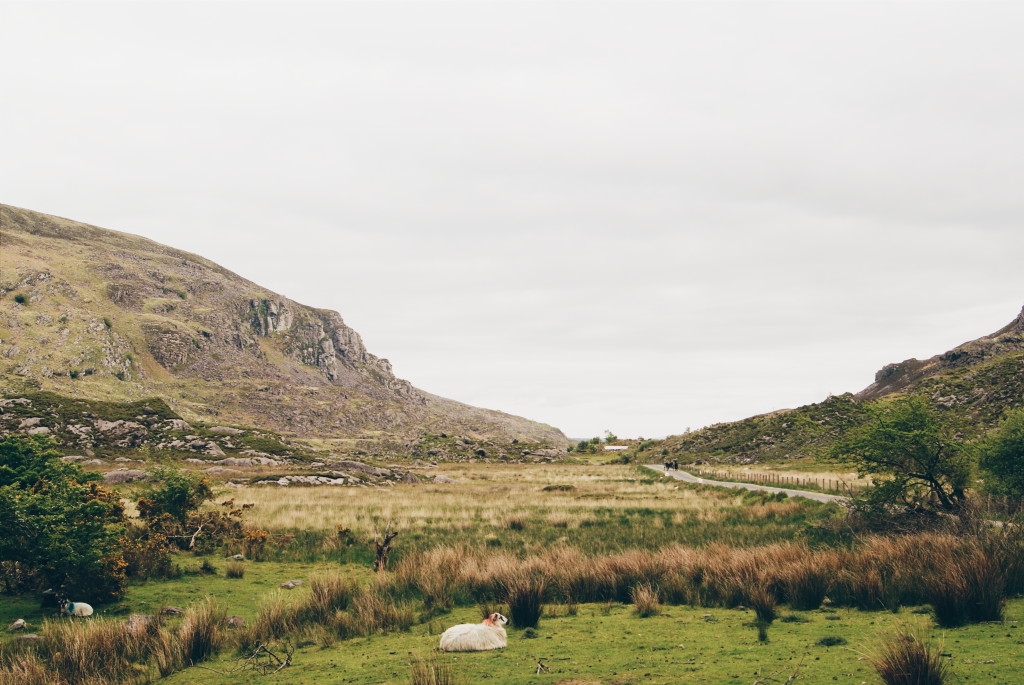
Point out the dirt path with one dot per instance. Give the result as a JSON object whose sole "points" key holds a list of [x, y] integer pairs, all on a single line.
{"points": [[690, 478]]}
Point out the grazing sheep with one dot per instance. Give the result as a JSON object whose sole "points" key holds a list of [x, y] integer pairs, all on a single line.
{"points": [[78, 609], [476, 637]]}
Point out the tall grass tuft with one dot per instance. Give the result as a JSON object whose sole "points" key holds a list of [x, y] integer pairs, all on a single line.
{"points": [[234, 569], [762, 601], [646, 600], [909, 660], [435, 670], [524, 595], [275, 619], [26, 669], [970, 590], [201, 633], [374, 612], [92, 652], [328, 593], [806, 583]]}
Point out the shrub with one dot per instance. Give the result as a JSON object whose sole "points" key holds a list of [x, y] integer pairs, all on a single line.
{"points": [[646, 600], [178, 495], [908, 660], [60, 528], [831, 641]]}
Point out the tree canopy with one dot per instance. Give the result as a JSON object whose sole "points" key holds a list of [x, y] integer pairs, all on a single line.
{"points": [[915, 455], [1001, 455]]}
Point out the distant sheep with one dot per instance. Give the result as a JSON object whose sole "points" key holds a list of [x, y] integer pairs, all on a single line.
{"points": [[476, 637], [77, 609]]}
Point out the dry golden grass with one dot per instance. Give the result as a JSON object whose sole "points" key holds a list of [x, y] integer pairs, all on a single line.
{"points": [[485, 494]]}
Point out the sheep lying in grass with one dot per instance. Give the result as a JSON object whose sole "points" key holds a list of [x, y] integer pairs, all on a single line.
{"points": [[78, 609], [476, 637]]}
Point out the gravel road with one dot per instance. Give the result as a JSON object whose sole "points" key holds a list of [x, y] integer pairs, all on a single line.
{"points": [[690, 478]]}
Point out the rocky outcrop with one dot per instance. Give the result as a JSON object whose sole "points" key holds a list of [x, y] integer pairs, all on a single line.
{"points": [[911, 373]]}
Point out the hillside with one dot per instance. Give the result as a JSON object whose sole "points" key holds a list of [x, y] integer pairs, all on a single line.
{"points": [[91, 313], [975, 383]]}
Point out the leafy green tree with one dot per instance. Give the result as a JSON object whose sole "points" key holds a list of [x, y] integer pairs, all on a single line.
{"points": [[1001, 455], [60, 527], [917, 460]]}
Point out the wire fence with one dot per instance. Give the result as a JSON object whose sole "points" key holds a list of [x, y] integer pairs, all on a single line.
{"points": [[782, 480]]}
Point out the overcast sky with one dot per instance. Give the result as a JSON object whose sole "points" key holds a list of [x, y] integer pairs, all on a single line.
{"points": [[632, 216]]}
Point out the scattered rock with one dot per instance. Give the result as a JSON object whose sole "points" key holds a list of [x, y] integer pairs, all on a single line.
{"points": [[39, 430], [29, 423], [360, 467], [138, 623], [225, 430], [234, 621], [73, 457], [221, 470], [178, 425], [237, 557], [94, 462], [30, 637], [124, 475], [249, 461], [289, 584], [409, 477], [172, 611], [443, 479]]}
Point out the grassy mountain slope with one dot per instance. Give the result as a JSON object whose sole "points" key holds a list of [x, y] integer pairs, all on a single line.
{"points": [[975, 382], [96, 314]]}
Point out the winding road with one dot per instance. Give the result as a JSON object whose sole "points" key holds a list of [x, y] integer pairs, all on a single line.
{"points": [[690, 478]]}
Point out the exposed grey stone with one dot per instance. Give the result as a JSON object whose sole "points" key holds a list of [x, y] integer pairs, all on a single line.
{"points": [[225, 430], [443, 479], [125, 476], [360, 467], [289, 584]]}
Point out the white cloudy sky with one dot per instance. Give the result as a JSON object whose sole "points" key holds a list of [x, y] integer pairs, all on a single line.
{"points": [[632, 216]]}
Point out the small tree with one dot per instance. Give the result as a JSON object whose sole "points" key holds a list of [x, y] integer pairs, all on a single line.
{"points": [[921, 462], [1001, 454]]}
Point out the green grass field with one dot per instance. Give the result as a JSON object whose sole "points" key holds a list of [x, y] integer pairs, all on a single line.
{"points": [[609, 644], [521, 512]]}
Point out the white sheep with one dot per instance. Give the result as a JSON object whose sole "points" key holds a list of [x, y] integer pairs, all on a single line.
{"points": [[79, 609], [476, 637]]}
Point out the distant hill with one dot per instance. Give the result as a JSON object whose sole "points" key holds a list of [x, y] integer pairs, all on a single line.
{"points": [[975, 382], [91, 313]]}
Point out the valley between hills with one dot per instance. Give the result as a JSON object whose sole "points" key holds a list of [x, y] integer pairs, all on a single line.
{"points": [[243, 492]]}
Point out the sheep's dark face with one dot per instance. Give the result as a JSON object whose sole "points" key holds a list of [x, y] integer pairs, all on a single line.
{"points": [[498, 619]]}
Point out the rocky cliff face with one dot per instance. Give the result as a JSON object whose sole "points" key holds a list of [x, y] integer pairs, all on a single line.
{"points": [[99, 314]]}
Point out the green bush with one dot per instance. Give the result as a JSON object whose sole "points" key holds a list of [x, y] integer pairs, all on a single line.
{"points": [[60, 527]]}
